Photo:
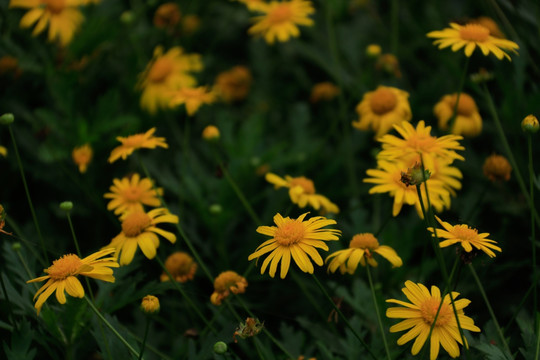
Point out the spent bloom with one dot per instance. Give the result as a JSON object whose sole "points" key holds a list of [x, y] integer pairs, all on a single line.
{"points": [[323, 91], [181, 266], [82, 155], [379, 110], [234, 84], [150, 304], [226, 283], [302, 192], [192, 98], [467, 121], [280, 20], [497, 168], [134, 142], [361, 250], [131, 193], [62, 275], [248, 329], [466, 236], [470, 36], [294, 238], [167, 16]]}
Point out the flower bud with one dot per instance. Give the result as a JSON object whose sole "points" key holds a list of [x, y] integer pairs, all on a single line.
{"points": [[16, 246], [7, 119], [530, 124], [66, 205], [215, 209], [373, 50], [150, 304], [220, 347], [210, 133], [127, 17]]}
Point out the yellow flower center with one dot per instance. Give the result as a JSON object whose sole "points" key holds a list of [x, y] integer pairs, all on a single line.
{"points": [[55, 6], [290, 233], [64, 267], [364, 241], [422, 142], [280, 14], [383, 101], [429, 310], [305, 183], [474, 32], [465, 233], [160, 70], [133, 194], [466, 105], [135, 223]]}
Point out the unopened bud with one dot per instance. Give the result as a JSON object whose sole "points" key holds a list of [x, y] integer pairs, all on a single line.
{"points": [[530, 124], [150, 304], [7, 119], [215, 209], [220, 347], [66, 205], [16, 246], [127, 17]]}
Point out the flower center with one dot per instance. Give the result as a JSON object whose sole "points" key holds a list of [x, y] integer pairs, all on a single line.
{"points": [[55, 6], [474, 32], [64, 267], [429, 309], [289, 233], [133, 194], [422, 143], [305, 183], [160, 70], [135, 223], [364, 241], [383, 101], [280, 14], [465, 233], [466, 105]]}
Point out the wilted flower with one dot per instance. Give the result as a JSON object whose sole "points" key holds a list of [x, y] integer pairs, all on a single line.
{"points": [[226, 283], [497, 168], [181, 266], [467, 121], [234, 84], [82, 156], [250, 328], [150, 304], [167, 16]]}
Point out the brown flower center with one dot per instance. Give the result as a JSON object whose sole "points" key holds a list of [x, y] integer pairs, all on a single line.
{"points": [[135, 223], [305, 183], [55, 6], [474, 32], [280, 14], [160, 70], [429, 309], [132, 194], [64, 267], [364, 241], [382, 101], [289, 233]]}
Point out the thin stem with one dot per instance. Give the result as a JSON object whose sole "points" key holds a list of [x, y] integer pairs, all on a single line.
{"points": [[108, 324], [256, 342], [29, 245], [452, 120], [145, 336], [490, 309], [379, 319], [28, 197], [533, 228], [394, 13], [323, 290], [537, 352]]}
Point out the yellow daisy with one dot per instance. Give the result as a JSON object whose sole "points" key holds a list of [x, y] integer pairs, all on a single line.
{"points": [[302, 192], [254, 5], [181, 266], [134, 142], [361, 249], [226, 283], [62, 275], [420, 314], [467, 122], [296, 238], [379, 110], [470, 36], [139, 230], [82, 155], [281, 19], [323, 91], [164, 74], [192, 98], [466, 236], [234, 84], [131, 193], [62, 16]]}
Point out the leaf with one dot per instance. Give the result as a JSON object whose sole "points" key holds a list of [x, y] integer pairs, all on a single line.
{"points": [[21, 341], [526, 325]]}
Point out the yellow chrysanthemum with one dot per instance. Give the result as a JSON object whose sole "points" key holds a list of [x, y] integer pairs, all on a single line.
{"points": [[181, 266], [281, 19], [62, 16], [139, 230], [82, 155], [131, 193], [379, 110], [192, 98], [470, 36], [361, 249], [226, 283], [323, 91], [134, 142], [467, 122], [466, 236], [497, 168], [234, 84], [62, 275], [164, 74], [294, 238], [302, 192], [420, 314], [490, 24], [254, 5]]}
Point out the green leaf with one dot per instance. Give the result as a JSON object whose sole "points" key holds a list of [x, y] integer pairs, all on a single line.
{"points": [[21, 341]]}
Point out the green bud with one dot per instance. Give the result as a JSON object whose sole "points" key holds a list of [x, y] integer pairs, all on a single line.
{"points": [[215, 209], [530, 124], [66, 205], [16, 246], [127, 17], [220, 347], [7, 119], [415, 175]]}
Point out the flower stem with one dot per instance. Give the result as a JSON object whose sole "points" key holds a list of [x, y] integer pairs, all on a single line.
{"points": [[379, 319], [452, 120], [533, 229], [323, 290], [108, 324], [147, 326], [394, 20]]}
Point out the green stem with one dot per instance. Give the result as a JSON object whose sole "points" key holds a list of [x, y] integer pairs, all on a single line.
{"points": [[29, 245], [537, 352], [256, 343], [394, 14], [490, 309], [145, 336], [533, 228], [452, 120], [323, 290], [28, 197], [108, 324], [379, 319]]}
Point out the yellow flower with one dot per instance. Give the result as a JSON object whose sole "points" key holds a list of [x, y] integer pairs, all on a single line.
{"points": [[234, 84], [192, 98], [226, 283], [82, 156], [323, 91], [302, 192], [3, 151], [470, 36], [134, 142], [281, 18], [466, 236], [164, 74], [62, 16], [210, 133], [181, 266], [361, 249], [420, 314], [373, 50], [296, 238], [497, 168], [131, 193], [254, 5], [379, 110], [467, 122], [167, 16], [62, 275], [490, 24], [139, 230], [530, 124], [150, 304]]}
